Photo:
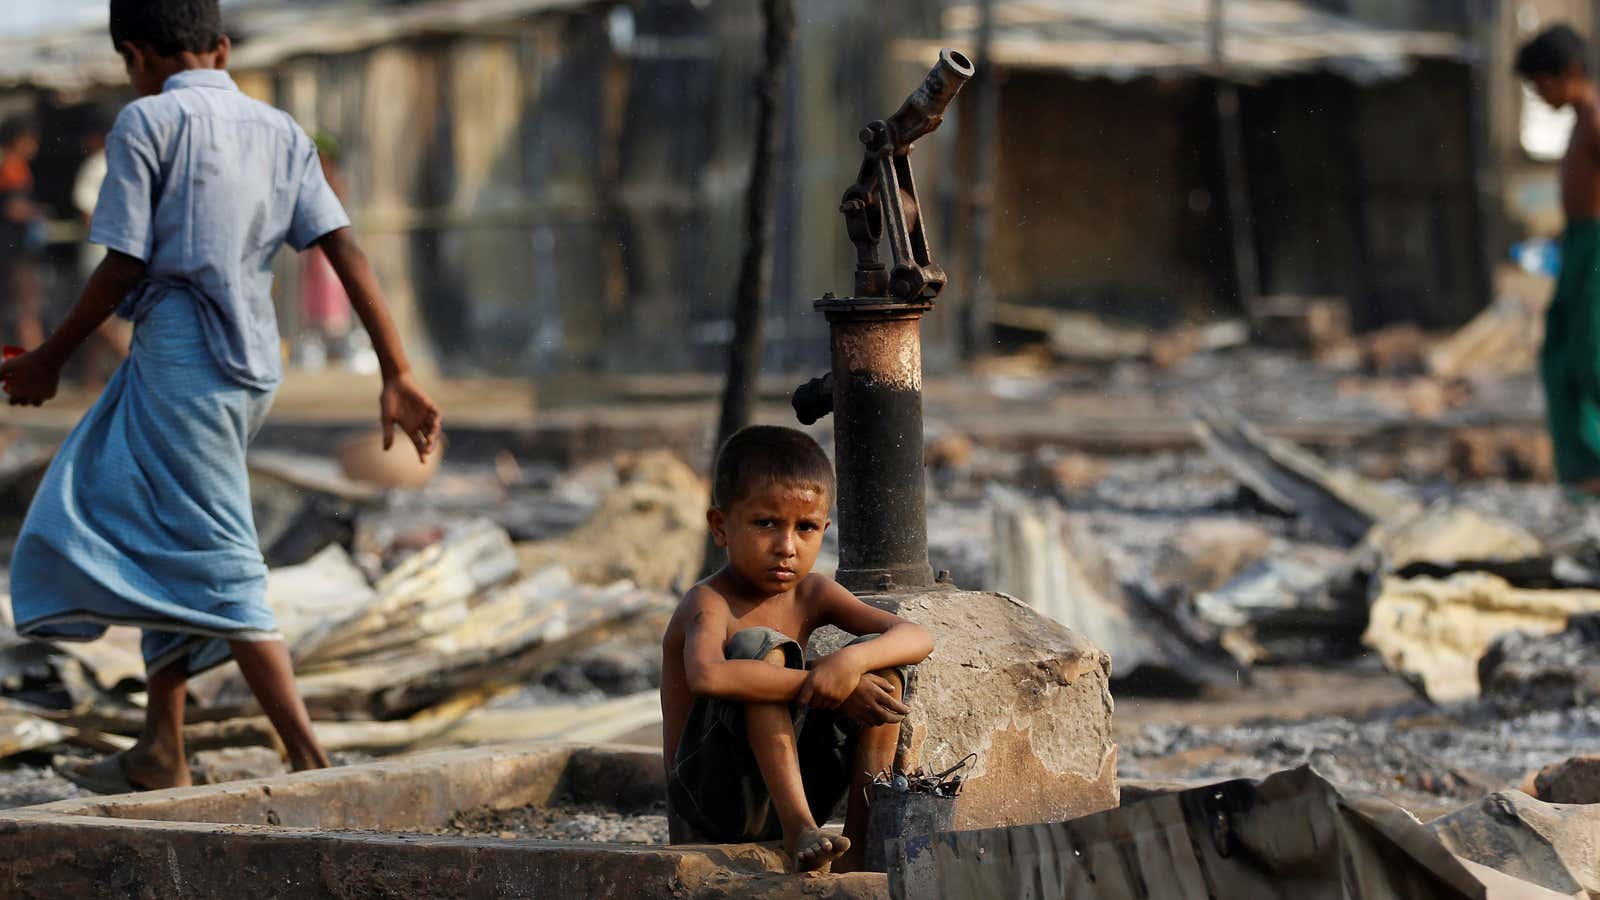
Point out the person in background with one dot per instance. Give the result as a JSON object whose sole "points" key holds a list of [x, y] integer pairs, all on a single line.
{"points": [[324, 306], [109, 347], [1555, 65], [21, 232]]}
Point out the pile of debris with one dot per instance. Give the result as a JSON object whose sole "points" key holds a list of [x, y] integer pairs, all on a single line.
{"points": [[443, 637], [1464, 603]]}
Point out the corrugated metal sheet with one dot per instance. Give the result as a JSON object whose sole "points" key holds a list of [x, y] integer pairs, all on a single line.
{"points": [[1135, 38], [265, 35]]}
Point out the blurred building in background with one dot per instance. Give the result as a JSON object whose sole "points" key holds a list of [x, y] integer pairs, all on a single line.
{"points": [[553, 187]]}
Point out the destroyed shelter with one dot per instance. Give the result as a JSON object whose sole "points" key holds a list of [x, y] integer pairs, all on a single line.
{"points": [[542, 184], [1351, 142], [535, 205]]}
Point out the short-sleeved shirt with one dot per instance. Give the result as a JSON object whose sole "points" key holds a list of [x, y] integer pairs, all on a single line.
{"points": [[204, 185]]}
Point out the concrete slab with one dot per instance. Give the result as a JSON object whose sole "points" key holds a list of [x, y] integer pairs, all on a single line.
{"points": [[352, 832]]}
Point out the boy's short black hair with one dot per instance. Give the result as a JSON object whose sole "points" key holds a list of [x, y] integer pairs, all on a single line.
{"points": [[1552, 52], [168, 27], [769, 454]]}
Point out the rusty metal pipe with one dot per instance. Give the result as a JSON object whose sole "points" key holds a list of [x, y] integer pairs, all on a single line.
{"points": [[877, 440], [924, 109], [876, 382]]}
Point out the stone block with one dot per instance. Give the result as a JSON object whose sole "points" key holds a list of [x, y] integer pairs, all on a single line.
{"points": [[370, 831], [1030, 697]]}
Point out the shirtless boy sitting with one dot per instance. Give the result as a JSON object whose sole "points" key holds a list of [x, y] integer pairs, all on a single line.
{"points": [[757, 745]]}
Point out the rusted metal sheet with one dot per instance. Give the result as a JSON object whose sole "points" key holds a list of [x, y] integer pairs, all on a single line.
{"points": [[1293, 836]]}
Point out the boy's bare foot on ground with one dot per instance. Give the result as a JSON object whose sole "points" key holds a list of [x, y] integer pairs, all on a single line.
{"points": [[156, 768], [812, 849]]}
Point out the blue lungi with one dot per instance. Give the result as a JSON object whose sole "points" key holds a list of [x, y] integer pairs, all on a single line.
{"points": [[144, 517]]}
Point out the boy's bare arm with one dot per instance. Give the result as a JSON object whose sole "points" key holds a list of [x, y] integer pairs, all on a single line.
{"points": [[33, 378], [711, 674], [404, 403], [1587, 126], [835, 677]]}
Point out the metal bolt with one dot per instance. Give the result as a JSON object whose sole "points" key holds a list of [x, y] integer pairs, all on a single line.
{"points": [[885, 582]]}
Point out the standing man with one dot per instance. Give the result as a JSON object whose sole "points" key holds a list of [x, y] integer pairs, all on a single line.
{"points": [[1555, 64]]}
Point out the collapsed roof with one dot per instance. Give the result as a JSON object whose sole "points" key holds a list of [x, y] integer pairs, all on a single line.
{"points": [[1137, 38], [81, 59]]}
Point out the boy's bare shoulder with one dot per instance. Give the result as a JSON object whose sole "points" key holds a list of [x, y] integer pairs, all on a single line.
{"points": [[698, 600], [819, 593]]}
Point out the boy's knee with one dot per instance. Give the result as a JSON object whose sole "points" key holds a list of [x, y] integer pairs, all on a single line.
{"points": [[764, 644], [893, 676]]}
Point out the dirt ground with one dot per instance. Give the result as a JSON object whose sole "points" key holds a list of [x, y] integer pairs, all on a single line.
{"points": [[569, 823]]}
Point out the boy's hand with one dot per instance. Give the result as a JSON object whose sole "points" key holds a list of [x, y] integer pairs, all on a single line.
{"points": [[830, 683], [873, 703], [30, 379], [407, 405]]}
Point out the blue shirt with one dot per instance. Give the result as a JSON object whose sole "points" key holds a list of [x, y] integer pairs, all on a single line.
{"points": [[204, 185]]}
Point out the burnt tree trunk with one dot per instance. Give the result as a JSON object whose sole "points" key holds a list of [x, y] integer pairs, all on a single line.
{"points": [[755, 267]]}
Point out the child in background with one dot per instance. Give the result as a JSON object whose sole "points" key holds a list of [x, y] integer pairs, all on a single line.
{"points": [[144, 517]]}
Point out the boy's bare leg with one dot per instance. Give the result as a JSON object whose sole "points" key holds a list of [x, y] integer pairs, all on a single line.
{"points": [[771, 735], [157, 759], [875, 749], [270, 674]]}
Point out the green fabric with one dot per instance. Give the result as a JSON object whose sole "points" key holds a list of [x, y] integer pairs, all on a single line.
{"points": [[1570, 359]]}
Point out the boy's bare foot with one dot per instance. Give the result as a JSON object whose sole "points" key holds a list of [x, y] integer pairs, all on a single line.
{"points": [[155, 770], [812, 848], [121, 773]]}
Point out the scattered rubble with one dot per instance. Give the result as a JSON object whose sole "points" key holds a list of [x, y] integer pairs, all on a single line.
{"points": [[1528, 670], [650, 530], [235, 764], [1575, 780], [1501, 341], [439, 650], [1085, 337], [1553, 847], [525, 602], [565, 823], [1206, 554], [1436, 630], [1057, 565], [1316, 326], [1294, 482]]}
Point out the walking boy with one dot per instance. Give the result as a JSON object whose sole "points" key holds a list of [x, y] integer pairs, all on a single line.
{"points": [[144, 516], [757, 745], [1555, 64]]}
